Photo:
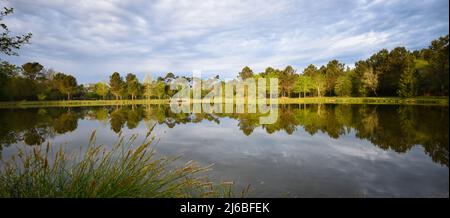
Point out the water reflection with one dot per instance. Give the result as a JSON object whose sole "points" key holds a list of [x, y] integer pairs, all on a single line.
{"points": [[395, 128]]}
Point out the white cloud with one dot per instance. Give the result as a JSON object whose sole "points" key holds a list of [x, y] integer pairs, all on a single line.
{"points": [[94, 38]]}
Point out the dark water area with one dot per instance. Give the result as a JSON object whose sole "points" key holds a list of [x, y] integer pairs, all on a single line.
{"points": [[311, 150]]}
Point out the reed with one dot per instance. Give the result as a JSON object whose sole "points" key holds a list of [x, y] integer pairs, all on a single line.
{"points": [[123, 170]]}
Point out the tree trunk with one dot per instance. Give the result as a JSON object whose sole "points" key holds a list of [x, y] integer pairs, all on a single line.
{"points": [[68, 96]]}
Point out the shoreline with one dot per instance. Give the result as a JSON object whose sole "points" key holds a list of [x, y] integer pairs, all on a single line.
{"points": [[437, 101]]}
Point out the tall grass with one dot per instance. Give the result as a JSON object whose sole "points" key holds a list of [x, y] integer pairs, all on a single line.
{"points": [[121, 171]]}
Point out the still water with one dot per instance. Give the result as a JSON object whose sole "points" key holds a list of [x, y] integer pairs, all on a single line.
{"points": [[311, 151]]}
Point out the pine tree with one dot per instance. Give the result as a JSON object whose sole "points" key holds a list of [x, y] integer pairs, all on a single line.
{"points": [[407, 84]]}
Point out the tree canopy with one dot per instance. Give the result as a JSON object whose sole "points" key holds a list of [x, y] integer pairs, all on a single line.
{"points": [[9, 44]]}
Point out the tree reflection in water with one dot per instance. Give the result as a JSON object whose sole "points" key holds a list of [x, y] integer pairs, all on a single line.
{"points": [[396, 128]]}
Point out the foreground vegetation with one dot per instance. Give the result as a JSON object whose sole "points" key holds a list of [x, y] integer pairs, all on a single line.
{"points": [[120, 171]]}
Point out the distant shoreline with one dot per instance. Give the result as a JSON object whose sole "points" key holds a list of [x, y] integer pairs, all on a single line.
{"points": [[441, 101]]}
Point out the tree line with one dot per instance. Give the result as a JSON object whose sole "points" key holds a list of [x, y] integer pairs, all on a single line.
{"points": [[399, 72]]}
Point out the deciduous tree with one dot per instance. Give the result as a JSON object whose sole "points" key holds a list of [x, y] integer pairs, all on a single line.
{"points": [[246, 73], [369, 80], [133, 86], [304, 84], [343, 86], [116, 84], [287, 80], [32, 70], [8, 44], [101, 89]]}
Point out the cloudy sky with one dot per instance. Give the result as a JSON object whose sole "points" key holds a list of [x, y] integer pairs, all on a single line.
{"points": [[91, 39]]}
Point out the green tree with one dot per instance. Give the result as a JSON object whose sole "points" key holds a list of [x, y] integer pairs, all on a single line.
{"points": [[148, 86], [7, 72], [357, 76], [269, 73], [133, 86], [101, 89], [396, 63], [333, 71], [66, 84], [21, 89], [116, 84], [343, 86], [287, 80], [407, 84], [379, 64], [439, 65], [310, 70], [246, 73], [169, 77], [319, 83], [168, 80], [159, 89], [32, 70], [369, 80], [304, 84], [43, 88], [8, 44]]}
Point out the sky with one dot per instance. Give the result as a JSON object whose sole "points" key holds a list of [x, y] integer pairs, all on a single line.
{"points": [[91, 39]]}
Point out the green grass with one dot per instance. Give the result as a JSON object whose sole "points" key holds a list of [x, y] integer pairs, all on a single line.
{"points": [[120, 171], [367, 100], [78, 103], [308, 100]]}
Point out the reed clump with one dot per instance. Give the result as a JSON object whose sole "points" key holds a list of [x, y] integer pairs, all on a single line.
{"points": [[123, 170]]}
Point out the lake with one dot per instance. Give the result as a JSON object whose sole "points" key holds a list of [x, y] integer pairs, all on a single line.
{"points": [[311, 151]]}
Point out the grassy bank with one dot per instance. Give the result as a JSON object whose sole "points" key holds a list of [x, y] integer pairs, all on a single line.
{"points": [[313, 100], [79, 103], [367, 100], [120, 171]]}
